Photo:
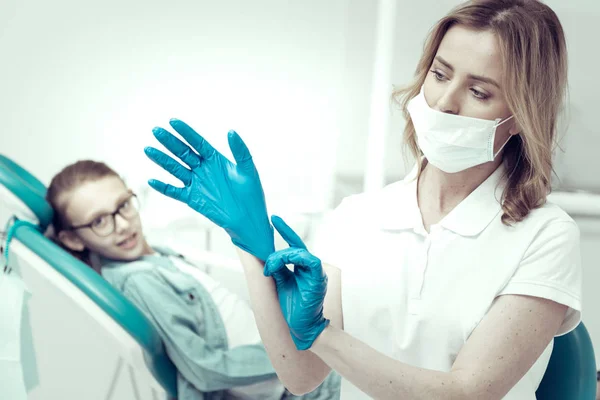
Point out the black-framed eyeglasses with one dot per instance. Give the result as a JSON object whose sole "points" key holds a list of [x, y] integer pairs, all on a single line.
{"points": [[104, 225]]}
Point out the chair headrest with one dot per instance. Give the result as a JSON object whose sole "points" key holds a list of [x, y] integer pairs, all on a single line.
{"points": [[26, 188]]}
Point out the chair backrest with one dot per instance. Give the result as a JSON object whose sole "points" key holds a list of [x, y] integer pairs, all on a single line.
{"points": [[31, 192], [27, 189], [571, 372]]}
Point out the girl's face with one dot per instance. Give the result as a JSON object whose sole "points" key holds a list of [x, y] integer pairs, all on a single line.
{"points": [[464, 79], [94, 203]]}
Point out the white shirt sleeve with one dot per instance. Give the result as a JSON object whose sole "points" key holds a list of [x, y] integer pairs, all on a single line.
{"points": [[551, 269]]}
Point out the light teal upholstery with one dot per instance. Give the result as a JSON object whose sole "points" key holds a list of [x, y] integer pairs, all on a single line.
{"points": [[571, 372], [27, 188], [32, 193]]}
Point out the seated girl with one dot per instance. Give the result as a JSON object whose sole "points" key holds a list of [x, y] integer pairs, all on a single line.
{"points": [[209, 333]]}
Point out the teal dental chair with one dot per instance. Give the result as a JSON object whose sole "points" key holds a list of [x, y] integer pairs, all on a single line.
{"points": [[571, 372], [88, 341]]}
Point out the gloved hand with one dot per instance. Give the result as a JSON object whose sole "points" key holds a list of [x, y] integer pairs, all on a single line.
{"points": [[228, 194], [302, 292]]}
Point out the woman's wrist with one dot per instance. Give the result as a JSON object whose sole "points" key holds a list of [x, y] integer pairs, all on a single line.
{"points": [[249, 261], [323, 340]]}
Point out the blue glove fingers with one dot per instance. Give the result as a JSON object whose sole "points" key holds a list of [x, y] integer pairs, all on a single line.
{"points": [[278, 271], [302, 260], [168, 190], [177, 147], [240, 151], [169, 165], [194, 139], [275, 263], [287, 233]]}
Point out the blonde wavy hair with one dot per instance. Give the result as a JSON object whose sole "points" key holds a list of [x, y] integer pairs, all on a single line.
{"points": [[534, 57]]}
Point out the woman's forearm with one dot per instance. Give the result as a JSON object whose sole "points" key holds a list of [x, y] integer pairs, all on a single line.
{"points": [[382, 377], [299, 371]]}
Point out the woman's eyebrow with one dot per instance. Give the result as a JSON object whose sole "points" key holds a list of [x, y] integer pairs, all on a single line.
{"points": [[98, 213], [470, 76], [123, 197], [444, 63], [93, 216]]}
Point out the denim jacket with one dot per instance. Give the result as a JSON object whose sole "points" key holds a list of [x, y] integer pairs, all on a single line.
{"points": [[193, 332], [190, 325]]}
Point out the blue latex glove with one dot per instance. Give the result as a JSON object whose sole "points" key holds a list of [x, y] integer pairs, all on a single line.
{"points": [[302, 292], [228, 194]]}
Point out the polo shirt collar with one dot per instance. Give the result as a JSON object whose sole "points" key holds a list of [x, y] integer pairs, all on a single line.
{"points": [[399, 208]]}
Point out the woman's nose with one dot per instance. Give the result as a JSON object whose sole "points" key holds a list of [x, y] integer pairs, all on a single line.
{"points": [[448, 102], [121, 223]]}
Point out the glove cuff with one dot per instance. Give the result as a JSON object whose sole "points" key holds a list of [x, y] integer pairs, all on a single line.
{"points": [[305, 341], [263, 253]]}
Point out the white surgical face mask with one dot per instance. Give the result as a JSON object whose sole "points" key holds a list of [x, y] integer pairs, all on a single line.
{"points": [[451, 142]]}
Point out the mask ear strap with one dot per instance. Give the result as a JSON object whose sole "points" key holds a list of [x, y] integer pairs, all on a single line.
{"points": [[500, 149], [498, 124], [505, 143]]}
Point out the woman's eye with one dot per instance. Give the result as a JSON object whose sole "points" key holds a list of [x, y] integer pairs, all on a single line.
{"points": [[100, 221], [479, 95], [125, 206], [438, 75]]}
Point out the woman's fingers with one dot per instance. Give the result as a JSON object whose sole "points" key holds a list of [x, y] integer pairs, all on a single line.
{"points": [[201, 145], [287, 233], [177, 147], [166, 189], [169, 165], [300, 258]]}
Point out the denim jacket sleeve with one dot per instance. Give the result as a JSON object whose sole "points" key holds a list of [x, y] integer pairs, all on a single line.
{"points": [[209, 368]]}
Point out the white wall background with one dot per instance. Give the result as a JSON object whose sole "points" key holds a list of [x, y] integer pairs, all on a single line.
{"points": [[89, 79], [83, 79]]}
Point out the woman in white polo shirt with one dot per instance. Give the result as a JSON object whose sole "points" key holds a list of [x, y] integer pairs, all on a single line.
{"points": [[451, 283]]}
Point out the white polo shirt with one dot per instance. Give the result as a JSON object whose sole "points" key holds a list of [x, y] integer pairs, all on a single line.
{"points": [[417, 296]]}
